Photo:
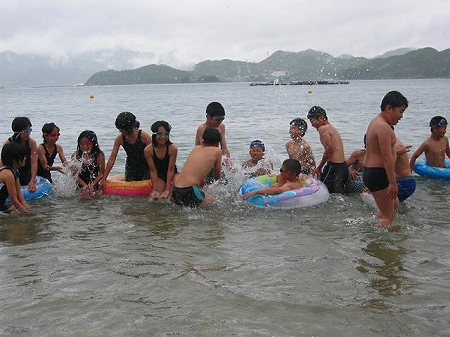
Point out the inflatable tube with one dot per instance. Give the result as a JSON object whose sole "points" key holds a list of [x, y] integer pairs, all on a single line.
{"points": [[43, 188], [314, 192], [118, 186], [429, 171]]}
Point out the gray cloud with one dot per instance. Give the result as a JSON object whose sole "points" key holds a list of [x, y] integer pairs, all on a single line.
{"points": [[186, 32]]}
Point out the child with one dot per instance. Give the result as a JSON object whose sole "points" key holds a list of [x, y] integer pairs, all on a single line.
{"points": [[335, 172], [13, 157], [202, 159], [406, 182], [134, 141], [257, 161], [355, 163], [290, 178], [215, 114], [92, 163], [436, 146], [161, 156], [48, 150], [21, 127], [379, 171], [298, 148]]}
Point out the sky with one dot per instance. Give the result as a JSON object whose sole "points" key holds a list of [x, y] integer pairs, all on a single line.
{"points": [[180, 33]]}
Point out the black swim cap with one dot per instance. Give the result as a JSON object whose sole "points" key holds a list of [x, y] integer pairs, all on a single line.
{"points": [[437, 121], [300, 123], [316, 111], [126, 121]]}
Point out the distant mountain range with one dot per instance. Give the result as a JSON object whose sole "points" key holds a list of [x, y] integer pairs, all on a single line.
{"points": [[116, 68]]}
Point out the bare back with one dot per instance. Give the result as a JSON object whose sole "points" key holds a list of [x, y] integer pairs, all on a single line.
{"points": [[200, 162], [332, 141]]}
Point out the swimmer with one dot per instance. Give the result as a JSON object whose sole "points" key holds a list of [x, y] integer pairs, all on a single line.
{"points": [[298, 147], [202, 159], [257, 165]]}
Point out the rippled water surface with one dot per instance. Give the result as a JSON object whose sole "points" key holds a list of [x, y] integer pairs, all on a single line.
{"points": [[116, 266]]}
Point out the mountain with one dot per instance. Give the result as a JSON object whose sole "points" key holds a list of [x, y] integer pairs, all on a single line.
{"points": [[111, 67]]}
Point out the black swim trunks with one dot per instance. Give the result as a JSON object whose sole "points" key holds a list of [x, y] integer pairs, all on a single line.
{"points": [[190, 196], [335, 176], [375, 178]]}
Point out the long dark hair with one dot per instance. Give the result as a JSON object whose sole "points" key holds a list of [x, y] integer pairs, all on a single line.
{"points": [[90, 135]]}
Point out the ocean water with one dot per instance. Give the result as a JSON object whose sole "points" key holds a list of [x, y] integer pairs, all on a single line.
{"points": [[116, 266]]}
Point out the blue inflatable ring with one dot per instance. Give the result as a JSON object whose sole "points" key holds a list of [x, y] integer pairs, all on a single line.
{"points": [[43, 188], [314, 192], [429, 171]]}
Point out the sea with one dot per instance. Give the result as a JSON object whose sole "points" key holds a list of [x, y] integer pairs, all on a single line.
{"points": [[129, 266]]}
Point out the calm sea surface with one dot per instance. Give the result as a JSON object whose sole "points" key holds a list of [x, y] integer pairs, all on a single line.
{"points": [[116, 266]]}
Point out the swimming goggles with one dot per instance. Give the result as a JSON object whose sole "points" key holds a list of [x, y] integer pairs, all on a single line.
{"points": [[159, 133], [442, 122]]}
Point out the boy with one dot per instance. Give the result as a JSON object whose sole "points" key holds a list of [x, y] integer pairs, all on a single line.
{"points": [[335, 172], [13, 157], [298, 148], [202, 159], [406, 182], [379, 172], [289, 179], [436, 146], [257, 160], [215, 114]]}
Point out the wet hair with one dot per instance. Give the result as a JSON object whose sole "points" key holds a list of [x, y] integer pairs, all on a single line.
{"points": [[155, 126], [300, 123], [293, 165], [394, 99], [215, 109], [48, 129], [437, 121], [12, 153], [211, 136], [127, 121], [19, 124], [259, 143], [90, 135], [316, 112]]}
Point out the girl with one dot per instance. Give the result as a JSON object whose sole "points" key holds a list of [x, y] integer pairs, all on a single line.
{"points": [[134, 141], [13, 157], [21, 127], [161, 156], [48, 150], [92, 163]]}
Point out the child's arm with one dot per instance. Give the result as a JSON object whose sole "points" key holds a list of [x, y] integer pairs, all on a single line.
{"points": [[101, 170], [199, 134], [151, 163], [447, 149], [34, 165], [223, 142], [62, 157], [173, 152], [112, 159], [422, 148], [15, 193]]}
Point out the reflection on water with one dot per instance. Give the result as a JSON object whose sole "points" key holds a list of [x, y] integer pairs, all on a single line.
{"points": [[385, 265]]}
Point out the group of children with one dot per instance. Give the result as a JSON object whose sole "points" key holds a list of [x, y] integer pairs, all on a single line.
{"points": [[382, 166]]}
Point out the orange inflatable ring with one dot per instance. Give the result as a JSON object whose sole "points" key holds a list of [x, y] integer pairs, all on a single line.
{"points": [[118, 186]]}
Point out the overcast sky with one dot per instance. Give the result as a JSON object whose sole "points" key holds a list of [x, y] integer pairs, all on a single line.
{"points": [[184, 32]]}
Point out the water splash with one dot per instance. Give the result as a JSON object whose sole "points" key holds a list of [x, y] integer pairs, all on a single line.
{"points": [[65, 185]]}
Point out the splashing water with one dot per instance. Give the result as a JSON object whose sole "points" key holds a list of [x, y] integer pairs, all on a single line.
{"points": [[65, 185]]}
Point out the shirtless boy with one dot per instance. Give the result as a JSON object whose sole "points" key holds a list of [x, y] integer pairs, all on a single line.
{"points": [[215, 114], [335, 171], [202, 159], [299, 148], [406, 182], [436, 146], [289, 179], [379, 172]]}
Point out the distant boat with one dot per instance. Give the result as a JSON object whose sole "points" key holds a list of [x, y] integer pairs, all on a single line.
{"points": [[299, 82]]}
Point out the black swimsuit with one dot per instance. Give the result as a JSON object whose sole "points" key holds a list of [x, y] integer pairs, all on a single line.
{"points": [[162, 165], [4, 191], [136, 166], [50, 160]]}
